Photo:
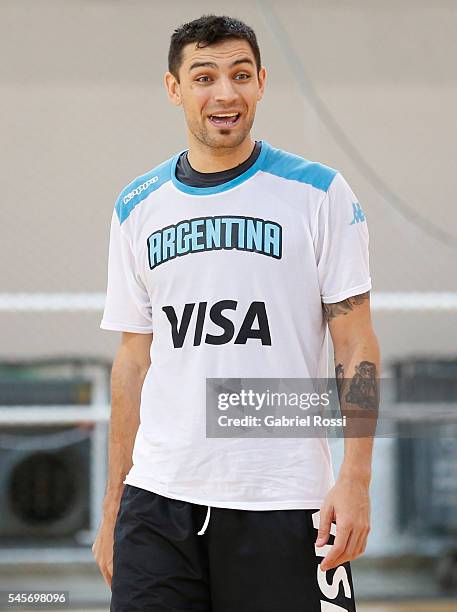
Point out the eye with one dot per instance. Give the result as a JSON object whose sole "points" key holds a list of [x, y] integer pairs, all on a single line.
{"points": [[203, 79], [242, 76]]}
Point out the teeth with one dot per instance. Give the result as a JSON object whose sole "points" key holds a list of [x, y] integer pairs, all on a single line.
{"points": [[232, 115]]}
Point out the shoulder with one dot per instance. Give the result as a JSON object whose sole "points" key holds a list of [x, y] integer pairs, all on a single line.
{"points": [[293, 167], [141, 187]]}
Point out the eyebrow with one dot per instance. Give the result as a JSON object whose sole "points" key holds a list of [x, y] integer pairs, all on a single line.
{"points": [[243, 60]]}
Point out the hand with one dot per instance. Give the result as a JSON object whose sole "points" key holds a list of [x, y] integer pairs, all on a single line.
{"points": [[347, 504], [102, 548]]}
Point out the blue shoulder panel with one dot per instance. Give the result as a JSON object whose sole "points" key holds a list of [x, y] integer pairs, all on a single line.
{"points": [[296, 168], [140, 188]]}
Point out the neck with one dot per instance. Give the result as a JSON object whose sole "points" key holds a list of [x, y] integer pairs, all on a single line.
{"points": [[203, 158]]}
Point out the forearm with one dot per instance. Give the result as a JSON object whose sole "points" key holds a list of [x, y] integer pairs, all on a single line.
{"points": [[357, 367], [126, 382]]}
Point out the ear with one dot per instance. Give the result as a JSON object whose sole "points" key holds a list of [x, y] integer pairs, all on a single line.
{"points": [[173, 89], [262, 77]]}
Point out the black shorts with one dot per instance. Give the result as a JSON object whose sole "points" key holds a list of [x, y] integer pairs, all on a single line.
{"points": [[246, 560]]}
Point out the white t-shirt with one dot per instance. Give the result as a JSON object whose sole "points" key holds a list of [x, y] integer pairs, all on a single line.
{"points": [[288, 234]]}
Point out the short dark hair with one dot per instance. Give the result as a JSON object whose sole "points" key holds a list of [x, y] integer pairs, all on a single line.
{"points": [[209, 30]]}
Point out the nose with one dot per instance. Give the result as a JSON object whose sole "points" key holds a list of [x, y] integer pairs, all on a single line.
{"points": [[225, 91]]}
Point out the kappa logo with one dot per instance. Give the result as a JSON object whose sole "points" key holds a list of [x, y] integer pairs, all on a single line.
{"points": [[359, 217], [340, 578], [139, 189]]}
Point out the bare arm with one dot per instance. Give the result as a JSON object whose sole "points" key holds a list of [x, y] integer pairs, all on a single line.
{"points": [[357, 365], [356, 358], [130, 365], [129, 370]]}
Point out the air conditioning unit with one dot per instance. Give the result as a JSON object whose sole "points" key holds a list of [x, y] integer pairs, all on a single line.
{"points": [[426, 449], [53, 452]]}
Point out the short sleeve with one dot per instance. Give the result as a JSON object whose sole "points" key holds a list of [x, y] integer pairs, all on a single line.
{"points": [[127, 306], [341, 244]]}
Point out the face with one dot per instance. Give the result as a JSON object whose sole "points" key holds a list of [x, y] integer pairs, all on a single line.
{"points": [[218, 88]]}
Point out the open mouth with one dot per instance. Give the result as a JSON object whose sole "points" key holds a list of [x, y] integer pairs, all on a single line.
{"points": [[224, 120]]}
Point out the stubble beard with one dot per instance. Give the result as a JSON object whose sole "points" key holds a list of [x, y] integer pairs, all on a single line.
{"points": [[226, 139]]}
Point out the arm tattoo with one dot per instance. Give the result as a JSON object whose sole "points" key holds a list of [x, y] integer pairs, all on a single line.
{"points": [[342, 308], [339, 374], [363, 387]]}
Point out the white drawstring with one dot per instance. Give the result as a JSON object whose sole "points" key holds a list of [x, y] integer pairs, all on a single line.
{"points": [[205, 524]]}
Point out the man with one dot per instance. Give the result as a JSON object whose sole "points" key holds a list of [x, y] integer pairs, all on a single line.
{"points": [[231, 260]]}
